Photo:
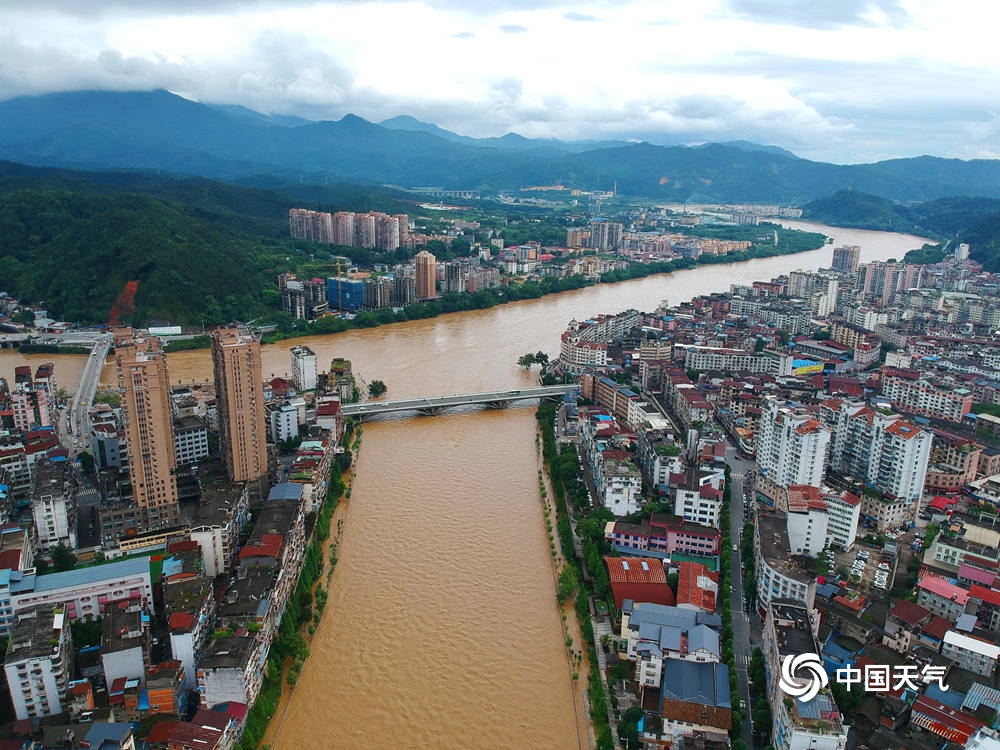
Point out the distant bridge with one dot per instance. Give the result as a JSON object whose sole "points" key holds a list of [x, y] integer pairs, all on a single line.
{"points": [[437, 404]]}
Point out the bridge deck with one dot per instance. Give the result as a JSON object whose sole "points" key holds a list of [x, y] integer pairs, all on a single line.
{"points": [[459, 399]]}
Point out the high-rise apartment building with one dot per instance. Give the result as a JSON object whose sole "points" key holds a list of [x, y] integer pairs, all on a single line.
{"points": [[310, 225], [605, 235], [144, 386], [364, 230], [387, 232], [343, 228], [880, 282], [846, 259], [404, 291], [883, 450], [239, 395], [426, 274], [792, 446]]}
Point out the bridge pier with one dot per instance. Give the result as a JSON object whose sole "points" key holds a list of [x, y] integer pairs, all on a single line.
{"points": [[431, 411], [500, 404]]}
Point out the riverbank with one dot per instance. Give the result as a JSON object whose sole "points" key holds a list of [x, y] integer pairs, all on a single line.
{"points": [[577, 660], [580, 593], [303, 612], [515, 292]]}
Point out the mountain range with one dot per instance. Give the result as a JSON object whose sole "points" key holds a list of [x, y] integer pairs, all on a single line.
{"points": [[157, 130]]}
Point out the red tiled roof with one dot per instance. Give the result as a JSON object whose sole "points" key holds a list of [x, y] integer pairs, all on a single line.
{"points": [[160, 733], [10, 558], [803, 497], [943, 720], [688, 589], [937, 627], [635, 570], [810, 425], [270, 546], [909, 612], [903, 429], [858, 604], [944, 588], [181, 621], [237, 710], [984, 594], [195, 737]]}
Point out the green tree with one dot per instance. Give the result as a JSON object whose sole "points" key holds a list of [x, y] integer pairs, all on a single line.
{"points": [[376, 388], [628, 727], [568, 584], [86, 632], [63, 559], [541, 358], [526, 361]]}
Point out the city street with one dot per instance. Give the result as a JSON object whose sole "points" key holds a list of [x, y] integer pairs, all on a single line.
{"points": [[743, 631]]}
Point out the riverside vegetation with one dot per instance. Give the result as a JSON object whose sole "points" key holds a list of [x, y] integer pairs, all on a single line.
{"points": [[304, 609]]}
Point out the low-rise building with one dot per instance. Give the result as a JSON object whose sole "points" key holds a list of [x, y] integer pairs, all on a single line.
{"points": [[190, 439], [639, 579], [84, 592], [190, 610], [972, 654], [663, 535], [695, 695], [232, 670], [943, 721], [53, 504], [698, 496], [165, 690], [942, 597], [779, 576], [903, 624], [125, 641]]}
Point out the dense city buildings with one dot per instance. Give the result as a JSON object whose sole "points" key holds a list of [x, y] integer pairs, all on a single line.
{"points": [[144, 387], [239, 393], [371, 230]]}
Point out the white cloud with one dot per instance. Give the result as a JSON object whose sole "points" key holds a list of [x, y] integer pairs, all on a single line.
{"points": [[849, 81]]}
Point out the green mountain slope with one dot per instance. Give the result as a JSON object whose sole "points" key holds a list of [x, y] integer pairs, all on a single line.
{"points": [[157, 130], [200, 250]]}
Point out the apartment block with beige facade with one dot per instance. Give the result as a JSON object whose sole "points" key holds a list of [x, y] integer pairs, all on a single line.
{"points": [[239, 393], [144, 387]]}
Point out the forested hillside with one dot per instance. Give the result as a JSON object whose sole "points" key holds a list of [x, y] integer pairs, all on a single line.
{"points": [[200, 250], [946, 220]]}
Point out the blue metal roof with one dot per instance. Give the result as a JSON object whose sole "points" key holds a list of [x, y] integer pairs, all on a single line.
{"points": [[705, 683], [81, 577], [285, 491]]}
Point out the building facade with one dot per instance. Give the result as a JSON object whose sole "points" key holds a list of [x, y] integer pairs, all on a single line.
{"points": [[144, 387], [239, 393], [426, 274]]}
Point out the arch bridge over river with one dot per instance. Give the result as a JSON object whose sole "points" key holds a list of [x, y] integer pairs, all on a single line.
{"points": [[434, 405]]}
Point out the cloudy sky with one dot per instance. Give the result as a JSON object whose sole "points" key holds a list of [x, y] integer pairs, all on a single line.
{"points": [[835, 80]]}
